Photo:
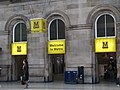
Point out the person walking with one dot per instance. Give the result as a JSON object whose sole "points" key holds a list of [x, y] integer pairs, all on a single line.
{"points": [[25, 72]]}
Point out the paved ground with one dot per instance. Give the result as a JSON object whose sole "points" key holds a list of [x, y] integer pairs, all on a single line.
{"points": [[58, 86]]}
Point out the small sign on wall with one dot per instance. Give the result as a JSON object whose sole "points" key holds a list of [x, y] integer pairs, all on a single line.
{"points": [[56, 47], [19, 48], [105, 45], [38, 25]]}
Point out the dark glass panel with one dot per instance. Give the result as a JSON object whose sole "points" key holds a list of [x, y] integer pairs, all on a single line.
{"points": [[17, 33], [101, 26], [24, 32], [53, 31], [110, 28], [61, 29]]}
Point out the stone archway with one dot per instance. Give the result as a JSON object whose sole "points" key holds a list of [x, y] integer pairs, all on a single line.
{"points": [[90, 20], [58, 14], [52, 16], [9, 29]]}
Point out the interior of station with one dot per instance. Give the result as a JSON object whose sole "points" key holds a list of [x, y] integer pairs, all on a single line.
{"points": [[107, 66]]}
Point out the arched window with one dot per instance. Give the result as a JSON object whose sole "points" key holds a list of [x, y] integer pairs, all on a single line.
{"points": [[19, 32], [56, 30], [105, 26]]}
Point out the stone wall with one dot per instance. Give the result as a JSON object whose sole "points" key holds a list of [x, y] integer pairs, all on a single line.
{"points": [[79, 52], [36, 56], [78, 33]]}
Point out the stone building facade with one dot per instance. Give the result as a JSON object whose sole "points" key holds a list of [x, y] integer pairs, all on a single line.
{"points": [[79, 17]]}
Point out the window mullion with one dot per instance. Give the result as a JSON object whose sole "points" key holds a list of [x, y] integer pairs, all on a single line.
{"points": [[49, 33], [105, 27], [20, 31], [14, 34], [57, 28]]}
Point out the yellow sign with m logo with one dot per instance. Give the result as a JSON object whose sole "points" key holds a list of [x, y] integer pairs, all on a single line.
{"points": [[105, 45], [19, 48], [38, 25]]}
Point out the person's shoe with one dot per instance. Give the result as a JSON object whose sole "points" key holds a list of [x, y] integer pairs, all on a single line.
{"points": [[118, 85], [26, 86]]}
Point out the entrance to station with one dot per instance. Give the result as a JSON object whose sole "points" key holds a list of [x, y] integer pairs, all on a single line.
{"points": [[107, 66], [17, 66], [58, 65]]}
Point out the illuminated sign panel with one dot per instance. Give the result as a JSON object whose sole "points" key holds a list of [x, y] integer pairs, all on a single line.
{"points": [[105, 45], [19, 48], [38, 25], [56, 47]]}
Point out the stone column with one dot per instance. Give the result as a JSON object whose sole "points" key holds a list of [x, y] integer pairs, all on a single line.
{"points": [[118, 52], [118, 64]]}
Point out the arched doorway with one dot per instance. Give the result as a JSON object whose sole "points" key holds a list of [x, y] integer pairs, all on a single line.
{"points": [[105, 47], [19, 48], [56, 33]]}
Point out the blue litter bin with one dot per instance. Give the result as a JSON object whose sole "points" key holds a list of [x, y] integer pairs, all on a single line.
{"points": [[70, 77]]}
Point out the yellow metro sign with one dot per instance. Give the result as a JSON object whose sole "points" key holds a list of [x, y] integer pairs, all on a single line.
{"points": [[56, 47], [38, 25], [105, 45], [19, 48]]}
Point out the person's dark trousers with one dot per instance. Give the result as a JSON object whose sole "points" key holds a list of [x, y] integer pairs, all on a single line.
{"points": [[118, 81]]}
